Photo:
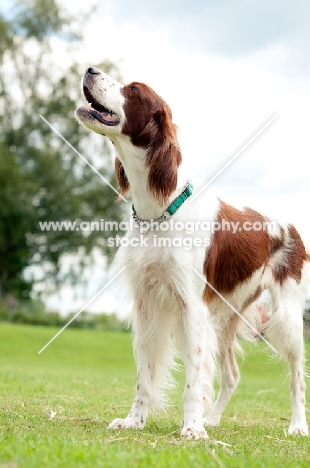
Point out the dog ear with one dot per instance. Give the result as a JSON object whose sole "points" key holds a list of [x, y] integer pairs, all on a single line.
{"points": [[163, 155], [121, 177]]}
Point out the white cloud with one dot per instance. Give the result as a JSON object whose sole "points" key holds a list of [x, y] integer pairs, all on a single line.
{"points": [[229, 28]]}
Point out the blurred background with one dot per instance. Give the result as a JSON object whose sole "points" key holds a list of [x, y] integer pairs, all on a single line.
{"points": [[225, 68]]}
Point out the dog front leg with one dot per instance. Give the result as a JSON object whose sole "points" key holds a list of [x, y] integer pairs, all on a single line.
{"points": [[137, 416], [154, 353], [198, 353]]}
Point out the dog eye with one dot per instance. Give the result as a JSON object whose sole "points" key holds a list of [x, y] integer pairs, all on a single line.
{"points": [[133, 88]]}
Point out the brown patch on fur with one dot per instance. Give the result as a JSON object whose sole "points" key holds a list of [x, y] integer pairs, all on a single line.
{"points": [[276, 242], [121, 177], [232, 258], [149, 125], [294, 258], [255, 295]]}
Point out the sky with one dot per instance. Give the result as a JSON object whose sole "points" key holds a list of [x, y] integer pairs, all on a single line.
{"points": [[225, 67]]}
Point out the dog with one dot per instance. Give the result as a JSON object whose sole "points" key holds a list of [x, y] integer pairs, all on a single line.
{"points": [[193, 299]]}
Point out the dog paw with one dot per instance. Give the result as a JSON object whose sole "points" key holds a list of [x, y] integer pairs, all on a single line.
{"points": [[127, 423], [298, 429], [194, 433]]}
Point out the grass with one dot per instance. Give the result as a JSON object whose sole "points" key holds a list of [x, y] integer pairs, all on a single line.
{"points": [[55, 408]]}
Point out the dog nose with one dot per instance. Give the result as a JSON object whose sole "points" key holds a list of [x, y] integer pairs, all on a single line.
{"points": [[92, 71]]}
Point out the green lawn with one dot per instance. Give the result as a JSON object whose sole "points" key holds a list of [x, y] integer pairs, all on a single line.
{"points": [[55, 408]]}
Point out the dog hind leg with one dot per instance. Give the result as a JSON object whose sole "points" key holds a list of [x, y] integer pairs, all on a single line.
{"points": [[285, 331]]}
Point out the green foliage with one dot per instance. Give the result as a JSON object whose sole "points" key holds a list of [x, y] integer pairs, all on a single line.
{"points": [[87, 378], [39, 18], [33, 312], [41, 178], [17, 217]]}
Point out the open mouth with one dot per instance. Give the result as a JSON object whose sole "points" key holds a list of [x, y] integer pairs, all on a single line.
{"points": [[97, 111]]}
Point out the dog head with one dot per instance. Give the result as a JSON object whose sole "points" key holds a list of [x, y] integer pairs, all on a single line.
{"points": [[137, 112]]}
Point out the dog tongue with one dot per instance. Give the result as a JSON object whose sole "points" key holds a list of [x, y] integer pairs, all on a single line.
{"points": [[109, 117]]}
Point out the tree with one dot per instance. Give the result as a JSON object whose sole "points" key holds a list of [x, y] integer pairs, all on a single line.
{"points": [[41, 178]]}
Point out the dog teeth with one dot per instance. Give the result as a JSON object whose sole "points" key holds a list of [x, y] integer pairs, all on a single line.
{"points": [[88, 106]]}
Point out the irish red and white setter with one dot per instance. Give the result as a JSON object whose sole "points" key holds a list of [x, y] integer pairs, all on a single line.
{"points": [[187, 286]]}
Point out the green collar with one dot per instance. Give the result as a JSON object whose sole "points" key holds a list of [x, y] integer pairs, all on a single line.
{"points": [[175, 205], [172, 208]]}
